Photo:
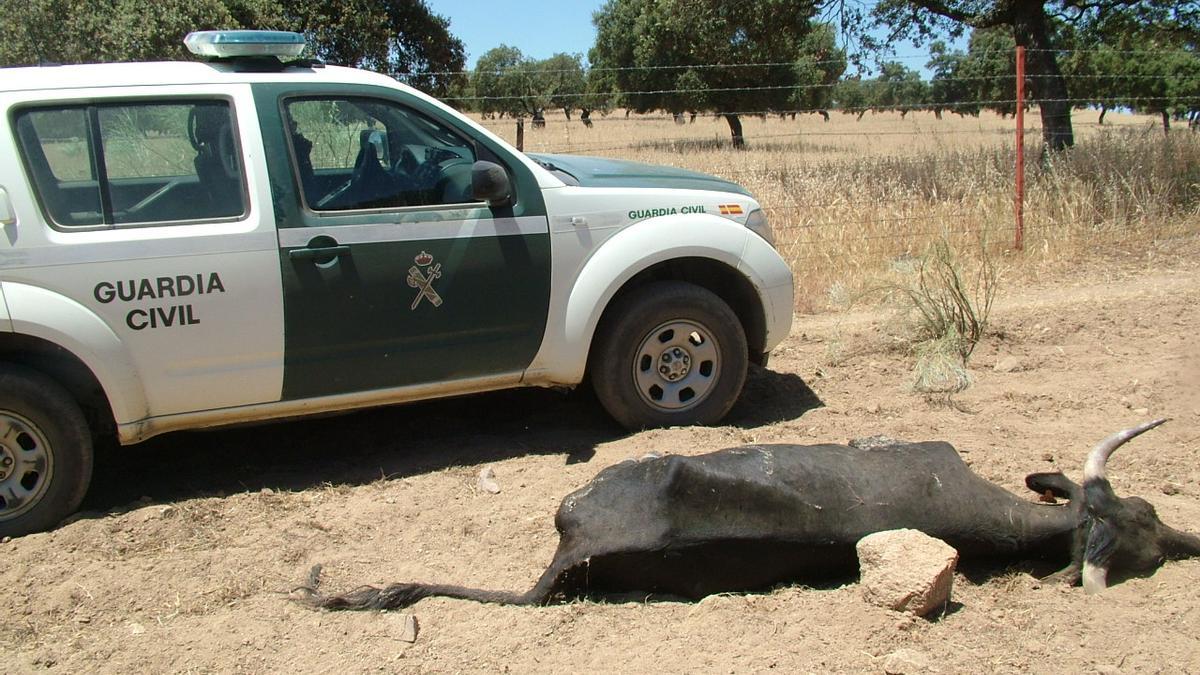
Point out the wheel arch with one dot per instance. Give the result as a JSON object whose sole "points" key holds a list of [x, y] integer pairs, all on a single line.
{"points": [[68, 342], [706, 250], [712, 275], [66, 369]]}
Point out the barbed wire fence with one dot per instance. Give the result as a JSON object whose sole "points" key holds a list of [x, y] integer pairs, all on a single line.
{"points": [[793, 144]]}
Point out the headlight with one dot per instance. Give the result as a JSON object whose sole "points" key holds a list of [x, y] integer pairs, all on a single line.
{"points": [[757, 222]]}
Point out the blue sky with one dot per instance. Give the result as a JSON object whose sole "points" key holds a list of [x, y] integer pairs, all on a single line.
{"points": [[542, 28], [539, 28]]}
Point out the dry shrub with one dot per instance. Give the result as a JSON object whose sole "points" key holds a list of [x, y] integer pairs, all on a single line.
{"points": [[947, 308]]}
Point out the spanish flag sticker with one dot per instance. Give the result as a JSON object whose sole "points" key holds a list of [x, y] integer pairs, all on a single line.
{"points": [[730, 209]]}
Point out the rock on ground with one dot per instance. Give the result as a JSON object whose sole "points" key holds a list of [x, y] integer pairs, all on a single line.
{"points": [[905, 662], [906, 571]]}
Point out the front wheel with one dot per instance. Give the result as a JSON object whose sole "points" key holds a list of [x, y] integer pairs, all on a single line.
{"points": [[45, 452], [669, 354]]}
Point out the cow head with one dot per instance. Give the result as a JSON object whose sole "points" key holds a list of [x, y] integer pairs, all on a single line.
{"points": [[1122, 535]]}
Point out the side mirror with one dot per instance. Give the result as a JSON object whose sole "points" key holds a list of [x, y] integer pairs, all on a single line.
{"points": [[489, 183]]}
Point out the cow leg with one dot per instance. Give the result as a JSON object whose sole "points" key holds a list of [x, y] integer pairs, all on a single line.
{"points": [[1069, 575], [400, 595], [561, 581]]}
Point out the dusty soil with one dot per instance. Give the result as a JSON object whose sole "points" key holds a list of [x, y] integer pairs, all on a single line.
{"points": [[190, 543]]}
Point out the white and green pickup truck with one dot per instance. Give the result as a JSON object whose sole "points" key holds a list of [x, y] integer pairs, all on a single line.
{"points": [[251, 237]]}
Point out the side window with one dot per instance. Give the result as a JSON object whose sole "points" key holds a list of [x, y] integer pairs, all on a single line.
{"points": [[133, 163], [353, 153]]}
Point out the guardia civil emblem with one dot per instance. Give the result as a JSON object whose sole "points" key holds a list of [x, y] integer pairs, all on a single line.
{"points": [[421, 277]]}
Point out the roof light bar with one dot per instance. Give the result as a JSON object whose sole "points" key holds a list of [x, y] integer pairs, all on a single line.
{"points": [[223, 44]]}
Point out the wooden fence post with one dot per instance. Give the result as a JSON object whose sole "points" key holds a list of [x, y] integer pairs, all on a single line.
{"points": [[521, 134]]}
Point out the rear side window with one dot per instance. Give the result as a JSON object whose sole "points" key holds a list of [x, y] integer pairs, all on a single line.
{"points": [[135, 163]]}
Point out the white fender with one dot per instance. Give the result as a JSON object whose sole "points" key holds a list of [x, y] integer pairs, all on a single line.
{"points": [[563, 356], [58, 319], [5, 323]]}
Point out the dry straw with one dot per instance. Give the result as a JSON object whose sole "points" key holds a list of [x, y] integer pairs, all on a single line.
{"points": [[851, 200]]}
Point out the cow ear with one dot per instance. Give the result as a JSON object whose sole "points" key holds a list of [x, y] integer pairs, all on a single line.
{"points": [[1055, 483]]}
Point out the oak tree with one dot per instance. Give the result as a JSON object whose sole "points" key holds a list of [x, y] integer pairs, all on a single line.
{"points": [[728, 58], [1033, 26]]}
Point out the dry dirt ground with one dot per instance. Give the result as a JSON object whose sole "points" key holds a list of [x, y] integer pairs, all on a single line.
{"points": [[189, 544]]}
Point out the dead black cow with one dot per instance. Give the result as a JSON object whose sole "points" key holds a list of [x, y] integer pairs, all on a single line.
{"points": [[750, 517]]}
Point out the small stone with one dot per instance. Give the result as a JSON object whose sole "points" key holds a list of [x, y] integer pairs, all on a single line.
{"points": [[906, 571], [5, 540], [1008, 364], [487, 481], [136, 628], [905, 662], [1170, 489], [1141, 411], [1047, 457], [408, 628], [267, 491]]}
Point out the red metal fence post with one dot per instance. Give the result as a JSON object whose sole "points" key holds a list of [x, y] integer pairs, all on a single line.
{"points": [[1020, 198]]}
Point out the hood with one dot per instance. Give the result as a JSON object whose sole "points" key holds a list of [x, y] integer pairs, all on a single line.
{"points": [[604, 172]]}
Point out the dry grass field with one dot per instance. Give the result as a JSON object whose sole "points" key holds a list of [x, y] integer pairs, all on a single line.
{"points": [[851, 200]]}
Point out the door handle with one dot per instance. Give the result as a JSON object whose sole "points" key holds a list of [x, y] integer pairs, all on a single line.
{"points": [[319, 253], [321, 249]]}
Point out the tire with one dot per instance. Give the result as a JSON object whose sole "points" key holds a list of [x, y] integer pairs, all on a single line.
{"points": [[669, 354], [45, 452]]}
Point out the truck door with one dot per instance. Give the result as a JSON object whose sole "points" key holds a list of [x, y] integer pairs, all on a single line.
{"points": [[152, 216], [393, 274]]}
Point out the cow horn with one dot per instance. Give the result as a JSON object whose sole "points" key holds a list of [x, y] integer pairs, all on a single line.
{"points": [[1093, 468]]}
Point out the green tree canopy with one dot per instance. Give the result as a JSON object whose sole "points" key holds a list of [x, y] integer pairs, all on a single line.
{"points": [[563, 80], [88, 31], [898, 88], [820, 63], [674, 55], [1149, 68], [506, 82], [982, 78], [853, 95], [1034, 24], [503, 83], [949, 86], [402, 38]]}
